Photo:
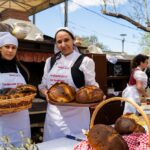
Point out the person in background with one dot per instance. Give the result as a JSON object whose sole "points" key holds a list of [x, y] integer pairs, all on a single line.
{"points": [[137, 83], [12, 73], [63, 120]]}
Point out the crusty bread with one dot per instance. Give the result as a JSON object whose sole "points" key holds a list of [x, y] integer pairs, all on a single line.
{"points": [[19, 91], [16, 99], [89, 94], [104, 137], [26, 88], [124, 125], [61, 92]]}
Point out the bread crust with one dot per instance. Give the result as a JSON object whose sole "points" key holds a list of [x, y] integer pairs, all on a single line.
{"points": [[89, 94], [61, 92], [124, 125], [19, 91], [104, 137]]}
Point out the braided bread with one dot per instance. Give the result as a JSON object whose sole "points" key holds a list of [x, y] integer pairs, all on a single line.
{"points": [[19, 91], [16, 99], [61, 92], [88, 94], [26, 88]]}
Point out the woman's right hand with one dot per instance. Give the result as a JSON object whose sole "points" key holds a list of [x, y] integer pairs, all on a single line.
{"points": [[43, 93], [47, 99]]}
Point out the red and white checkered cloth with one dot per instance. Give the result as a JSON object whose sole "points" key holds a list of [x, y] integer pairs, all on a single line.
{"points": [[135, 141], [83, 145]]}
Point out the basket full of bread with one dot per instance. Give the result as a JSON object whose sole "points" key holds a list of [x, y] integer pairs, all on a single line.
{"points": [[16, 99], [126, 134], [62, 92]]}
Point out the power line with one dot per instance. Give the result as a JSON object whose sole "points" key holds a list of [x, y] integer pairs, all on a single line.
{"points": [[95, 32], [103, 16], [85, 29]]}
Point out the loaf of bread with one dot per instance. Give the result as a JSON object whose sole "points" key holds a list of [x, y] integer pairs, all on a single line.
{"points": [[61, 92], [18, 92], [16, 99], [124, 125], [89, 94], [26, 88], [104, 137]]}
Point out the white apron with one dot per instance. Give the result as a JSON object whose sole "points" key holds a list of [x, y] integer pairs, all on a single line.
{"points": [[131, 92], [62, 120], [11, 124]]}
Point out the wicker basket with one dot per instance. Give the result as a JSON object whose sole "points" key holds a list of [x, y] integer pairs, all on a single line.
{"points": [[100, 105], [16, 104]]}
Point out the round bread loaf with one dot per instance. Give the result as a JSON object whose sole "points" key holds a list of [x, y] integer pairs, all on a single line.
{"points": [[89, 94], [104, 137], [125, 125], [61, 92]]}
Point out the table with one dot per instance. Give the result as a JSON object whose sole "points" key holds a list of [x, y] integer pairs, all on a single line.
{"points": [[60, 144], [146, 108]]}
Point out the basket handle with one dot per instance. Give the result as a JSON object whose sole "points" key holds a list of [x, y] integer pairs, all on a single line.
{"points": [[101, 104]]}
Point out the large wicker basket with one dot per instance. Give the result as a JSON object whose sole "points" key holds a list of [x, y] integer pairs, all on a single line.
{"points": [[16, 104], [100, 105]]}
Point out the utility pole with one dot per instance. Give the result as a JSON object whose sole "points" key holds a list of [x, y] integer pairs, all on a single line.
{"points": [[123, 40], [34, 19], [66, 13]]}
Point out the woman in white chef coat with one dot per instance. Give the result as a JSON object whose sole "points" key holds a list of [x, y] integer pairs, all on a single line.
{"points": [[11, 75], [137, 83], [64, 120]]}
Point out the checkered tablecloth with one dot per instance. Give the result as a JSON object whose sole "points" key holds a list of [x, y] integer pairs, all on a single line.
{"points": [[83, 145], [135, 141]]}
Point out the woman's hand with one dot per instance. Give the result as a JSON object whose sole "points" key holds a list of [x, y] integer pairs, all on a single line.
{"points": [[47, 99], [43, 93], [139, 86]]}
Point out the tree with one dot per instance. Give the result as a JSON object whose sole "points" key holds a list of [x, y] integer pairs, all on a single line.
{"points": [[145, 43], [92, 40], [137, 12]]}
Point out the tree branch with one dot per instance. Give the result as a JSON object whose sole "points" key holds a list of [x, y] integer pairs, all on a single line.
{"points": [[118, 15]]}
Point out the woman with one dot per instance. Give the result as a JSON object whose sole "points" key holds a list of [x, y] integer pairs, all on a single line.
{"points": [[11, 75], [63, 120], [137, 83]]}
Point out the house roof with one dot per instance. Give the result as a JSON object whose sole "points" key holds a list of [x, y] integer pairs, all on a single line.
{"points": [[30, 6]]}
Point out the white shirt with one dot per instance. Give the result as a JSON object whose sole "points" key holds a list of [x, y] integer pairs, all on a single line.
{"points": [[87, 67]]}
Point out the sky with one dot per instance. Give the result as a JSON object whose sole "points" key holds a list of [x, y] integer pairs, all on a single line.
{"points": [[85, 19]]}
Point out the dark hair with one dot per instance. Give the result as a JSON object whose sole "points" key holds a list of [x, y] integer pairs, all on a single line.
{"points": [[72, 36], [138, 59]]}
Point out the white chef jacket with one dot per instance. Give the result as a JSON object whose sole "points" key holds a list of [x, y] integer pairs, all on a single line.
{"points": [[12, 124], [62, 120], [131, 91]]}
